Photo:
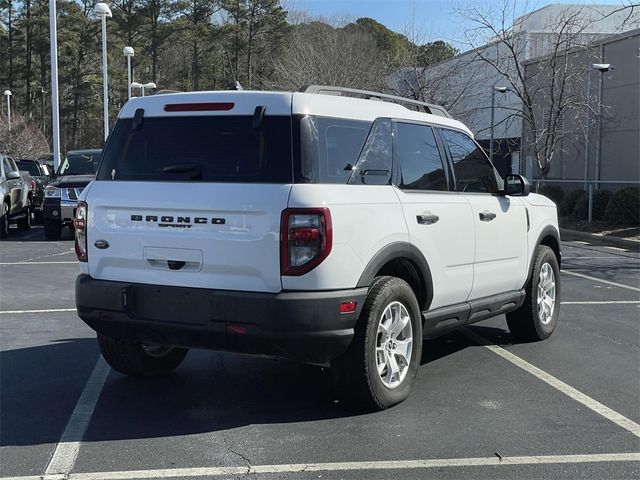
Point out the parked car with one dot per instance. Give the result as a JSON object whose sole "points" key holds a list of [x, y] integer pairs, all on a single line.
{"points": [[61, 195], [322, 228], [41, 176], [16, 192]]}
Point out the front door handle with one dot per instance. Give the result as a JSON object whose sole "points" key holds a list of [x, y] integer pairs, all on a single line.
{"points": [[427, 219], [487, 216]]}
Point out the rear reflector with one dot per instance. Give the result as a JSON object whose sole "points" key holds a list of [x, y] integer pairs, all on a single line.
{"points": [[198, 107], [348, 307]]}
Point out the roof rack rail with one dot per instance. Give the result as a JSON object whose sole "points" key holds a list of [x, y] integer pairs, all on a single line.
{"points": [[353, 92]]}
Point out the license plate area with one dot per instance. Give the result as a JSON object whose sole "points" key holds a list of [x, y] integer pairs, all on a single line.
{"points": [[170, 304]]}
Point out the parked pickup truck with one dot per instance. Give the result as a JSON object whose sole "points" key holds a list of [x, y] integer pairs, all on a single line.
{"points": [[16, 192], [61, 195], [41, 176]]}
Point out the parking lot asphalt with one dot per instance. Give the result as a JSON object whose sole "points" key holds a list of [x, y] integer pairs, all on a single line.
{"points": [[482, 406]]}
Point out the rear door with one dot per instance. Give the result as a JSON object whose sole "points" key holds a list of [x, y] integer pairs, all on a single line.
{"points": [[193, 201], [500, 221], [440, 222]]}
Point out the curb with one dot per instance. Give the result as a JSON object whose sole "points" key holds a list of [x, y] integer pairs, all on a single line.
{"points": [[632, 245]]}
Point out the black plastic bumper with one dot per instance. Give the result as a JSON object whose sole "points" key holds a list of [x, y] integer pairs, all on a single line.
{"points": [[302, 326]]}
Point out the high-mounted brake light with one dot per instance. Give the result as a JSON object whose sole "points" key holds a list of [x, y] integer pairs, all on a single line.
{"points": [[198, 107], [306, 237], [80, 227]]}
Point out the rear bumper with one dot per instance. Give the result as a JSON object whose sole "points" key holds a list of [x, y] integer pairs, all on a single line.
{"points": [[302, 326]]}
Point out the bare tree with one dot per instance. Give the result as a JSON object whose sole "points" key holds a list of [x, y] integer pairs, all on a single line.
{"points": [[549, 88], [21, 139], [318, 53]]}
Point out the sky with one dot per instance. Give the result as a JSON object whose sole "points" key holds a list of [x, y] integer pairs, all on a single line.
{"points": [[435, 19]]}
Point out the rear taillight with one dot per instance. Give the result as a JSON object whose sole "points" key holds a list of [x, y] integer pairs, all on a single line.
{"points": [[305, 239], [80, 226], [34, 185]]}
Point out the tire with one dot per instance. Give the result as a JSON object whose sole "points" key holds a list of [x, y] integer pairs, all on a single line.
{"points": [[356, 373], [52, 229], [529, 323], [136, 360], [4, 221], [25, 222]]}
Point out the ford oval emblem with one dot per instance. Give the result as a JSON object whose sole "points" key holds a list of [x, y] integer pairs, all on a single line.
{"points": [[101, 244]]}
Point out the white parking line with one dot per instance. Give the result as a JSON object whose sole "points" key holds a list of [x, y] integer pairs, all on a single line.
{"points": [[607, 282], [38, 263], [341, 466], [66, 452], [606, 302], [51, 310], [559, 385]]}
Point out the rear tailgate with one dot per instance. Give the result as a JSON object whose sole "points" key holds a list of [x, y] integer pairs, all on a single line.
{"points": [[219, 236], [190, 191]]}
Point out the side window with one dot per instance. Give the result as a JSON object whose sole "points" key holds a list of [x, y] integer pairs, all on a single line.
{"points": [[6, 166], [473, 171], [416, 152], [327, 146], [374, 163]]}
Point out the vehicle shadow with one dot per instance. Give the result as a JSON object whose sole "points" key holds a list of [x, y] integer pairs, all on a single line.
{"points": [[35, 234], [209, 392]]}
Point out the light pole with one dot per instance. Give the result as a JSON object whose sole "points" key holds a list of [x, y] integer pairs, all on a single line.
{"points": [[7, 93], [493, 109], [602, 68], [143, 87], [55, 111], [128, 52], [103, 11]]}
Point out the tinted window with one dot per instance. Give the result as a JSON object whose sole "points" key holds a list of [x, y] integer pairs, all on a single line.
{"points": [[30, 167], [79, 164], [473, 171], [417, 154], [204, 148], [327, 146], [374, 163]]}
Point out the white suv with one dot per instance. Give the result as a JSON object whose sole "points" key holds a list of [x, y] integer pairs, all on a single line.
{"points": [[315, 226]]}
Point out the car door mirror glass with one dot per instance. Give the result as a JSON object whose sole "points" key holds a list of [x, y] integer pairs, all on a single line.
{"points": [[13, 175], [516, 186]]}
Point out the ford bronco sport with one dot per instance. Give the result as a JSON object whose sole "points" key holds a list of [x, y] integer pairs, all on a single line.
{"points": [[329, 226]]}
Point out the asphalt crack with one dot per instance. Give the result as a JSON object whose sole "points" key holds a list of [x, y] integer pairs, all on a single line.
{"points": [[237, 453]]}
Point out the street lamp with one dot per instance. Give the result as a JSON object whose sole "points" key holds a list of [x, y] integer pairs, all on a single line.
{"points": [[103, 11], [143, 87], [128, 52], [7, 93], [493, 109], [601, 68], [55, 107]]}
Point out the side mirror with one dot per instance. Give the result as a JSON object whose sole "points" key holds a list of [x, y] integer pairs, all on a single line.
{"points": [[516, 186], [13, 175]]}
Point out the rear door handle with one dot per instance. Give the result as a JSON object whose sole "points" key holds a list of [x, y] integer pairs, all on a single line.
{"points": [[487, 216], [427, 219]]}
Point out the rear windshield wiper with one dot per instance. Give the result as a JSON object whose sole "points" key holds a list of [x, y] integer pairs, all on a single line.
{"points": [[193, 168]]}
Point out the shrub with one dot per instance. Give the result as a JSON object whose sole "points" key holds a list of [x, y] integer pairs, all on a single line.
{"points": [[600, 201], [624, 207], [556, 194], [568, 203]]}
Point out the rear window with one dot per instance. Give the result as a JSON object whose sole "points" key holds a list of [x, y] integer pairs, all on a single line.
{"points": [[30, 167], [203, 148]]}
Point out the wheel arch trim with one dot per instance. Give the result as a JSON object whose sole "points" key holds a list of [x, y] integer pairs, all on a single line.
{"points": [[400, 250]]}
